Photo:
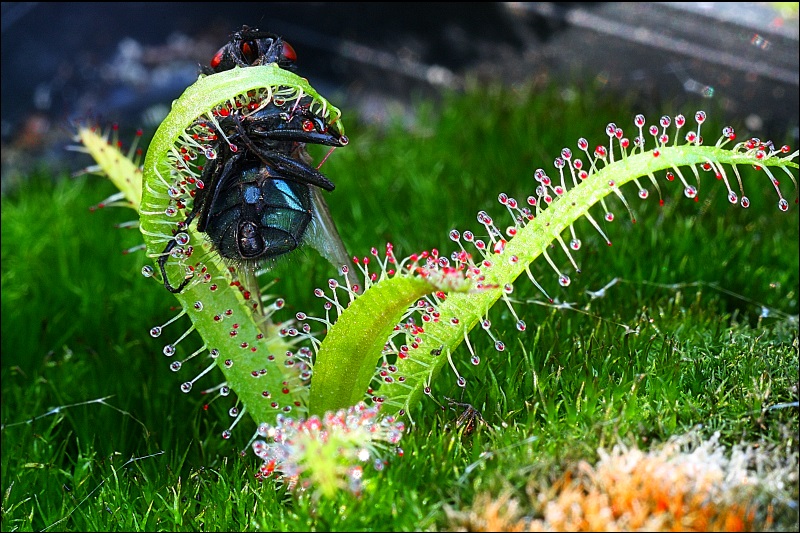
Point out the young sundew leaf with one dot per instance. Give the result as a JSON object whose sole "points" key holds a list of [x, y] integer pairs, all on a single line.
{"points": [[355, 344], [112, 163], [256, 359], [447, 319]]}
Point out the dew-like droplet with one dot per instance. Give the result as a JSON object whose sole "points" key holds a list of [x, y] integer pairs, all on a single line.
{"points": [[732, 198], [643, 194], [226, 434], [475, 360], [783, 205], [233, 412], [186, 386], [609, 217], [700, 117], [575, 244], [521, 325], [499, 346], [148, 271], [182, 238], [745, 201], [169, 350], [564, 280], [690, 191], [461, 382], [214, 353], [728, 132], [225, 391]]}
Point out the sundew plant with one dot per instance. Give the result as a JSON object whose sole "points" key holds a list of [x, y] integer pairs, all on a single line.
{"points": [[419, 364], [350, 378]]}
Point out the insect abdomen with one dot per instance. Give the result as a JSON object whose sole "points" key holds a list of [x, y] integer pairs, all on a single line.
{"points": [[263, 218]]}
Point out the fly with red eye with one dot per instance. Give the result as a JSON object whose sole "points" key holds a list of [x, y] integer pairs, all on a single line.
{"points": [[261, 197], [250, 47]]}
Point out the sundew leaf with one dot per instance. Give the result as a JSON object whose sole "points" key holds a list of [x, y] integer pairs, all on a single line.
{"points": [[558, 204], [237, 335]]}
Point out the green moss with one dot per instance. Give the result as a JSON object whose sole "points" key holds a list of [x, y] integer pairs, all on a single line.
{"points": [[76, 313]]}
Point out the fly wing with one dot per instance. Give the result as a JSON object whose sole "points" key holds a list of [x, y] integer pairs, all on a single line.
{"points": [[322, 234], [324, 237]]}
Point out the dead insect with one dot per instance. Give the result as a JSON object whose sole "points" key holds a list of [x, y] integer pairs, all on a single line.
{"points": [[257, 203], [468, 418], [260, 197]]}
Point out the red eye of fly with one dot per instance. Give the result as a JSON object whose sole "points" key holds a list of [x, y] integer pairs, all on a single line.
{"points": [[217, 59], [250, 51], [288, 52]]}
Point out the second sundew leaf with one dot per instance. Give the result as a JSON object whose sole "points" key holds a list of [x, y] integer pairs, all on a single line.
{"points": [[252, 355], [502, 262]]}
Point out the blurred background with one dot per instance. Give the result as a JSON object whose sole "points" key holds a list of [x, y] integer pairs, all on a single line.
{"points": [[125, 62]]}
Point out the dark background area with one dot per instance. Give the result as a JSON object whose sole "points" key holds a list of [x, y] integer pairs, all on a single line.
{"points": [[125, 62]]}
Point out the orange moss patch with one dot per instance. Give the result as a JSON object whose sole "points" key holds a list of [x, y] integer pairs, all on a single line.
{"points": [[686, 485]]}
